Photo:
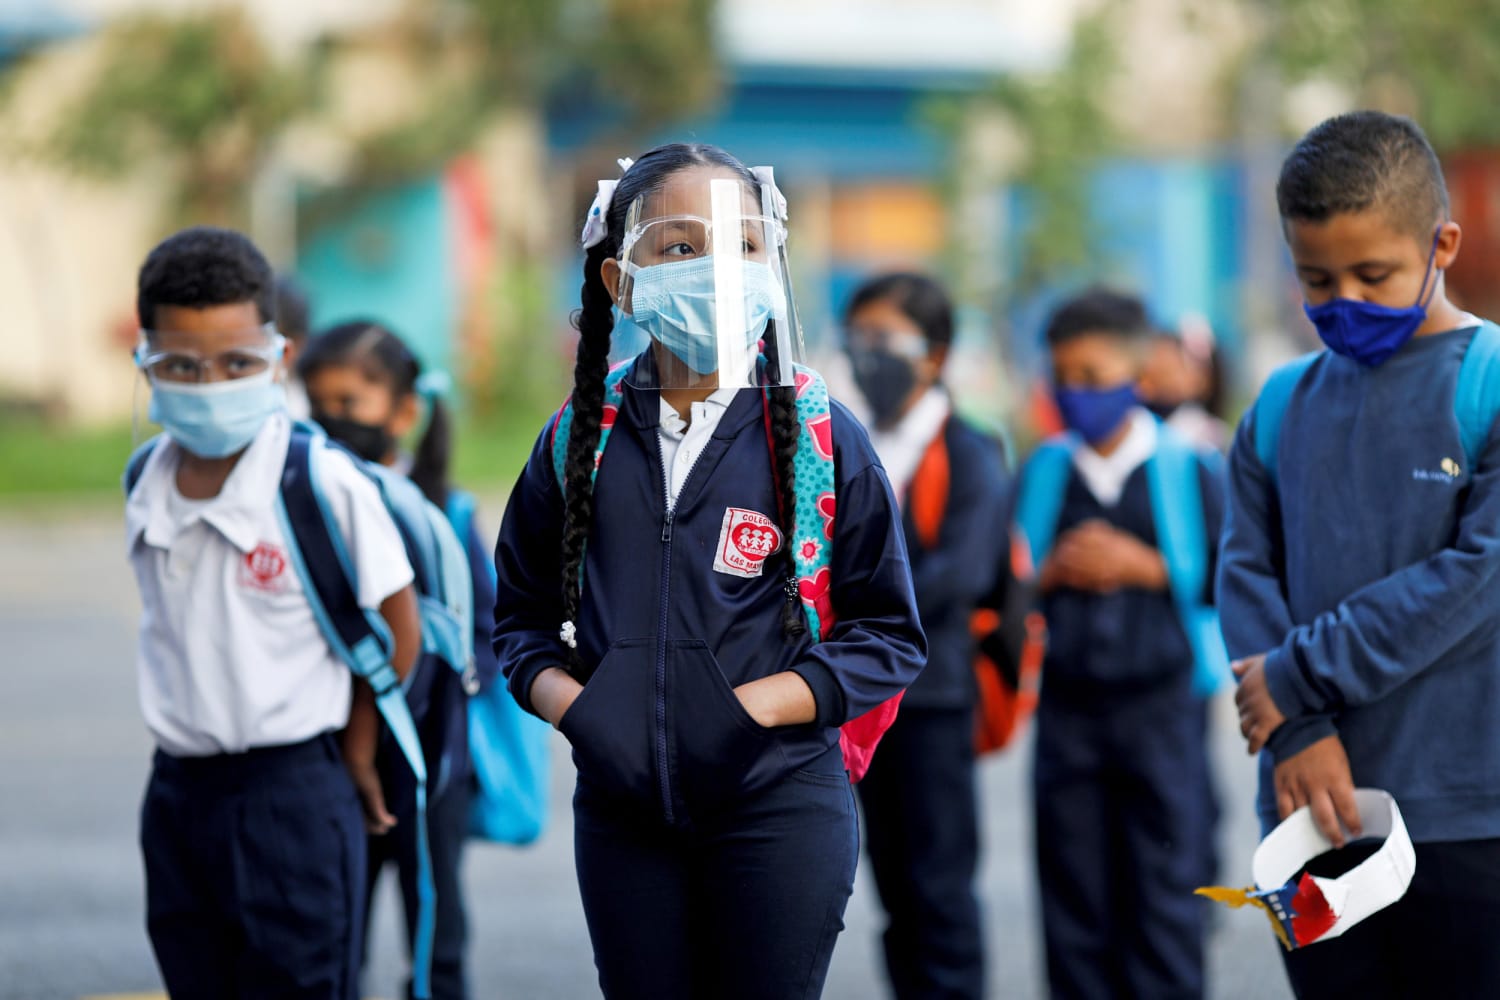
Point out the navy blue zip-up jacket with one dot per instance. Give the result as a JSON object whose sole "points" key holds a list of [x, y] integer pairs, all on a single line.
{"points": [[1103, 645], [664, 638], [972, 548], [1368, 574]]}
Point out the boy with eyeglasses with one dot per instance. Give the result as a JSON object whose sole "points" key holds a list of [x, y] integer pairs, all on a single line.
{"points": [[251, 829]]}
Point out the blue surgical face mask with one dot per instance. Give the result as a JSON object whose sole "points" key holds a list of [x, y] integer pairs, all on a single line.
{"points": [[217, 419], [1095, 414], [1370, 333], [675, 304]]}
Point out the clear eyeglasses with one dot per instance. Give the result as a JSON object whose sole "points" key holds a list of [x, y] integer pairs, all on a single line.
{"points": [[190, 367]]}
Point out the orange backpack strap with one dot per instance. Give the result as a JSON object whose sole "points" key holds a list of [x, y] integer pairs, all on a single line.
{"points": [[927, 496]]}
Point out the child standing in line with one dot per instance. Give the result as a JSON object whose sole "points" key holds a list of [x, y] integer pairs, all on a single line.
{"points": [[367, 390], [1361, 557], [1119, 797], [251, 828], [665, 615], [920, 800]]}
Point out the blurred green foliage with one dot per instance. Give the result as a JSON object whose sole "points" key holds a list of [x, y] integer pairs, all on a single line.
{"points": [[1062, 121], [1440, 57], [197, 92]]}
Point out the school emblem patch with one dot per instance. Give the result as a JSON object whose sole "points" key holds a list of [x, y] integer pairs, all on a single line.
{"points": [[745, 540], [264, 569]]}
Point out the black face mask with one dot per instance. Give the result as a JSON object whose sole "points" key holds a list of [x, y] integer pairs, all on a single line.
{"points": [[885, 380], [371, 442], [1162, 408]]}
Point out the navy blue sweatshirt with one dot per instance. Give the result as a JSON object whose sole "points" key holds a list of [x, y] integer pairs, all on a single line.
{"points": [[1368, 573], [664, 637], [1103, 646], [972, 546]]}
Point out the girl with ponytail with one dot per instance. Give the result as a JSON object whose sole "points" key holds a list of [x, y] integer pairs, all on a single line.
{"points": [[663, 604], [368, 391]]}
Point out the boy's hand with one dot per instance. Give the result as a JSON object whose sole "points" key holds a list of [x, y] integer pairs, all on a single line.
{"points": [[378, 819], [1320, 777], [1259, 716], [1098, 557]]}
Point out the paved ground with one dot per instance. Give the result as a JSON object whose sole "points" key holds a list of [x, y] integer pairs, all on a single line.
{"points": [[75, 756]]}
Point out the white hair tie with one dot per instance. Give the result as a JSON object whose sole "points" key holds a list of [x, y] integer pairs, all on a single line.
{"points": [[596, 226], [767, 178]]}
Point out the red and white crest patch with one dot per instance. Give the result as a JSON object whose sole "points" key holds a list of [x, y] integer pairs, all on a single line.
{"points": [[745, 540], [264, 569]]}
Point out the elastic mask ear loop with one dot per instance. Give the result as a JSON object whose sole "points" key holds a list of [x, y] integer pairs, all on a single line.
{"points": [[1425, 293]]}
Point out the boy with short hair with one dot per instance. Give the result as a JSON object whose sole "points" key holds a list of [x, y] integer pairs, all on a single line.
{"points": [[1120, 800], [1358, 576], [251, 828]]}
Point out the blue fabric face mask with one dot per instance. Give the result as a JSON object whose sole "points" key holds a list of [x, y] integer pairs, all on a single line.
{"points": [[1370, 333], [675, 304], [1094, 414], [217, 419]]}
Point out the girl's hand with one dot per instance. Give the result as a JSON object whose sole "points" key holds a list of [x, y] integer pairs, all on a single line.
{"points": [[553, 693], [360, 739], [782, 699], [1259, 716]]}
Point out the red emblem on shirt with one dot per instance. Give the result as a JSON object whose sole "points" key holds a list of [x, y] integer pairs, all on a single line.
{"points": [[745, 540], [264, 568]]}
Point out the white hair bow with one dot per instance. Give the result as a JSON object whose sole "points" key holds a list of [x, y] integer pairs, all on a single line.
{"points": [[595, 227]]}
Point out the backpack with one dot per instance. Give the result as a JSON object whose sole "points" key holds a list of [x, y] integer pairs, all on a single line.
{"points": [[361, 638], [1010, 638], [509, 747], [1476, 400], [812, 535], [1177, 513]]}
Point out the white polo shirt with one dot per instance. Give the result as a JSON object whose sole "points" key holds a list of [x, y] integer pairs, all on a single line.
{"points": [[230, 656]]}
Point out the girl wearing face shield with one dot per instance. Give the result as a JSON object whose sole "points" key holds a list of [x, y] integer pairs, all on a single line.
{"points": [[658, 601]]}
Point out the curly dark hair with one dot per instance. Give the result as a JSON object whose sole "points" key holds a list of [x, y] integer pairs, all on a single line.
{"points": [[205, 266]]}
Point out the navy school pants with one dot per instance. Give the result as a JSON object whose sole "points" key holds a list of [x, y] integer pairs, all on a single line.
{"points": [[1439, 940], [1121, 842], [447, 828], [922, 832], [255, 874], [746, 906]]}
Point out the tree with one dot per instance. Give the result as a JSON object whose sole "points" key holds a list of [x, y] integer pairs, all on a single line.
{"points": [[197, 95], [1438, 60]]}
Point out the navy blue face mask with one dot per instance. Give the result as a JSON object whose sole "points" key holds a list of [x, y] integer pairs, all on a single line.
{"points": [[1095, 414], [1370, 333]]}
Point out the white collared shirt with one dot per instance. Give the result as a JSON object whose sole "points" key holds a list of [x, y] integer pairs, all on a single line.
{"points": [[1106, 475], [901, 448], [229, 654], [682, 443]]}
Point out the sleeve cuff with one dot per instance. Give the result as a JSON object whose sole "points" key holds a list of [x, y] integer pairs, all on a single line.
{"points": [[1281, 680], [521, 678], [827, 695], [1296, 735]]}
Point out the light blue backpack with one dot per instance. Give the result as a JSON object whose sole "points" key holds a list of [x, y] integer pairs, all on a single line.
{"points": [[509, 747], [1476, 401]]}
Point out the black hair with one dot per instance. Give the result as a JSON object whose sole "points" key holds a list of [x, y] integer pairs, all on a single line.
{"points": [[204, 266], [383, 357], [1099, 310], [291, 309], [920, 297], [594, 321], [1363, 160]]}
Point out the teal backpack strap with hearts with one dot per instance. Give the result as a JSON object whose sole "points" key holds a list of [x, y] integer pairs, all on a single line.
{"points": [[562, 427], [813, 487], [812, 542]]}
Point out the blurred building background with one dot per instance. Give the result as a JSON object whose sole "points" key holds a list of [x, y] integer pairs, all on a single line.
{"points": [[426, 162]]}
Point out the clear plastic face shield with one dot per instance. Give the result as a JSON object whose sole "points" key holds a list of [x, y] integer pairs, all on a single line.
{"points": [[702, 273]]}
